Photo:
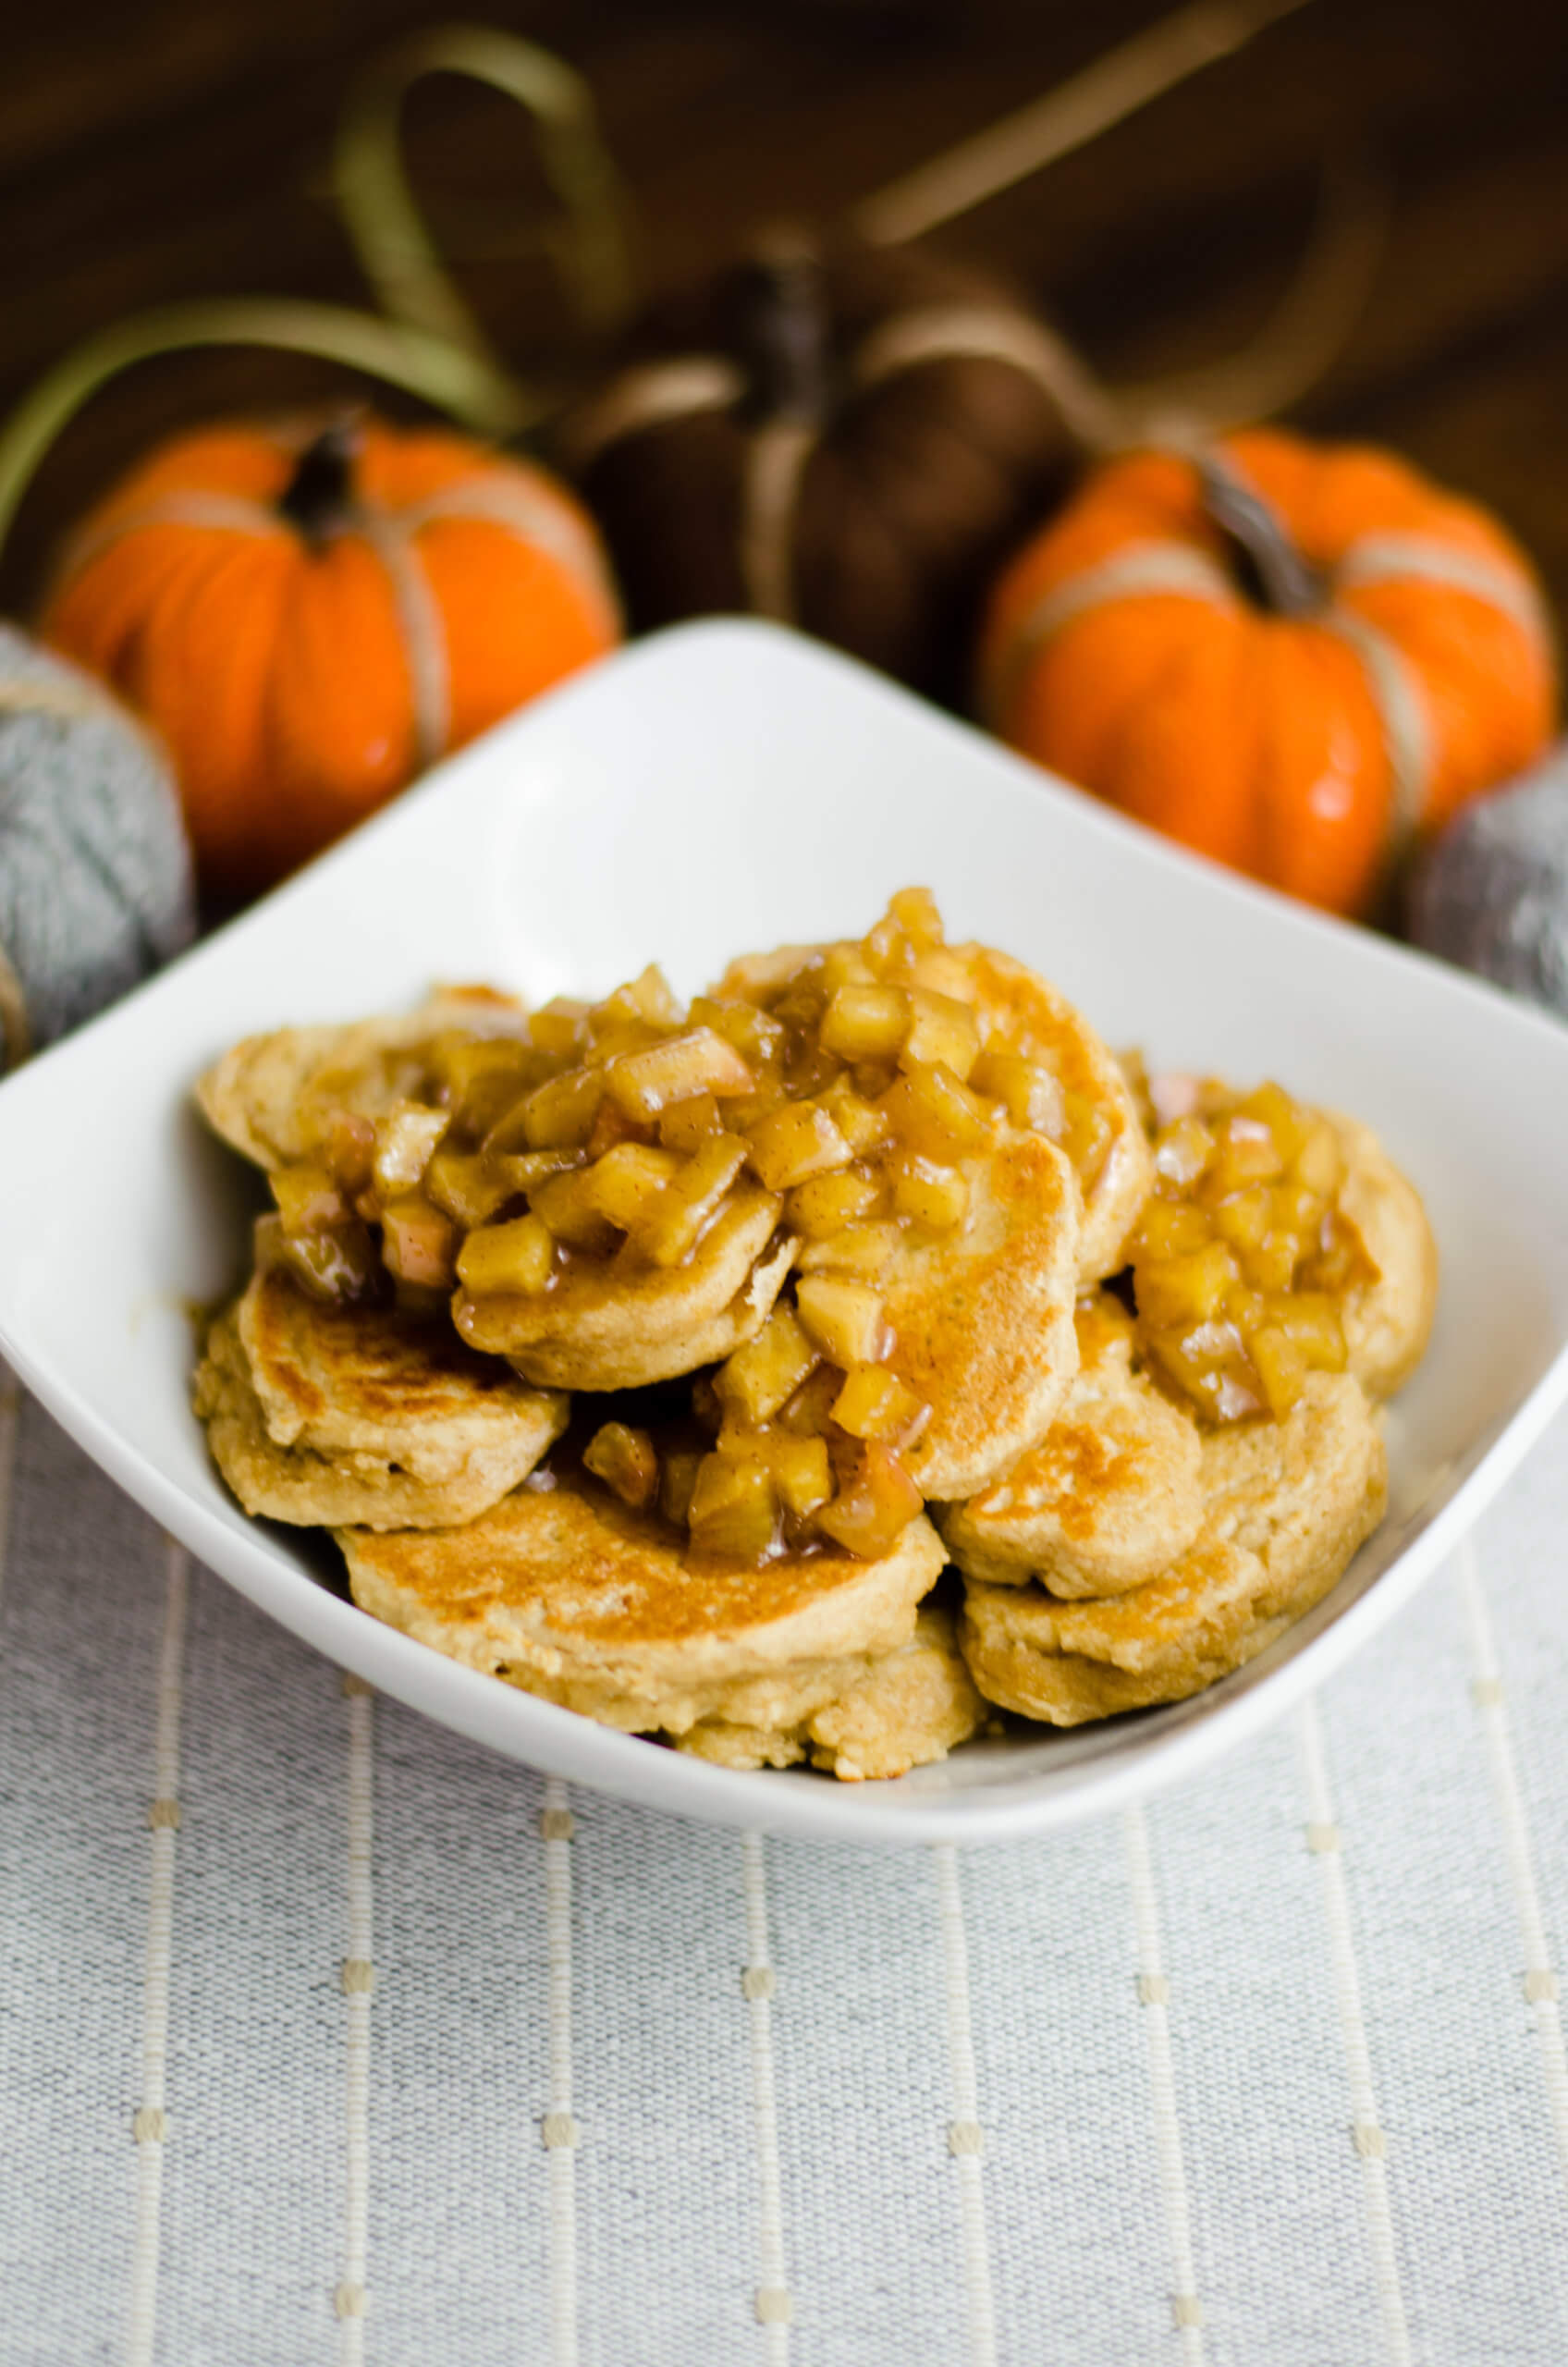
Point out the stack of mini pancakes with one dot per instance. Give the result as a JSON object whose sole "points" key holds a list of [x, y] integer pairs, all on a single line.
{"points": [[1109, 1551]]}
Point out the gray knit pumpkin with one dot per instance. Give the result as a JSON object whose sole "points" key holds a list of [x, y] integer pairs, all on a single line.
{"points": [[1493, 893], [95, 886]]}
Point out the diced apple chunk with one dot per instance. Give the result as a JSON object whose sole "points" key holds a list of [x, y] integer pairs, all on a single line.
{"points": [[932, 1111], [753, 1382], [915, 911], [845, 965], [671, 1225], [1244, 1216], [824, 1205], [348, 1145], [1085, 1135], [844, 1318], [685, 1125], [872, 1510], [1187, 1289], [338, 1266], [612, 1127], [1245, 1152], [1312, 1321], [309, 1199], [566, 1204], [810, 1410], [1271, 1107], [484, 1079], [755, 1034], [653, 997], [1030, 1094], [623, 1186], [1280, 1368], [405, 1138], [1320, 1162], [888, 950], [1172, 1229], [516, 1255], [626, 1460], [800, 1468], [734, 1510], [942, 1029], [934, 1197], [874, 1403], [863, 1127], [558, 1115], [797, 1140], [1270, 1264], [524, 1170], [1182, 1152], [863, 1250], [866, 1023], [418, 1243], [560, 1026], [466, 1187], [646, 1082]]}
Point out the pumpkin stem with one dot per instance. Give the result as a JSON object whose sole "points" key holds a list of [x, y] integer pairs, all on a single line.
{"points": [[782, 329], [1272, 570], [319, 494]]}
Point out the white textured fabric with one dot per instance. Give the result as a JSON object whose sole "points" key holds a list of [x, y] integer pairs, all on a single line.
{"points": [[376, 2048]]}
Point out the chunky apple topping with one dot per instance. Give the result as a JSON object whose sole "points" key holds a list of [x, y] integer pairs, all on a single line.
{"points": [[1242, 1257], [776, 1451], [857, 1085]]}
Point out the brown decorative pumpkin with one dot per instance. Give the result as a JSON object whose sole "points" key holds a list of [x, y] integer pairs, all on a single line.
{"points": [[1297, 659], [842, 436], [309, 614]]}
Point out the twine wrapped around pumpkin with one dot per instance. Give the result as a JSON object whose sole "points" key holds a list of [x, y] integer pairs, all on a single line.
{"points": [[834, 436], [265, 789], [842, 431], [1299, 660], [95, 874], [95, 887]]}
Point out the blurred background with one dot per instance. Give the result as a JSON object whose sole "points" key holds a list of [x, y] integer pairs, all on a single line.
{"points": [[181, 150]]}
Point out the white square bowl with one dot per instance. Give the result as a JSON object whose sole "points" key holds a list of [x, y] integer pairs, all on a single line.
{"points": [[729, 785]]}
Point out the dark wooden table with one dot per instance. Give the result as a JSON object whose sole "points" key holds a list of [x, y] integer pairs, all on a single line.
{"points": [[179, 149]]}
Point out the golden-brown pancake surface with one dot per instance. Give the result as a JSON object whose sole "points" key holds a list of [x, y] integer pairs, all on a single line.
{"points": [[605, 1325], [1286, 1505], [1016, 1004], [983, 1321], [569, 1593], [365, 1418], [1105, 1500], [908, 1709], [1388, 1320]]}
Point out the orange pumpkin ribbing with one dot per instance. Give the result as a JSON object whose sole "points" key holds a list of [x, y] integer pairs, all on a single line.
{"points": [[302, 655], [1124, 649]]}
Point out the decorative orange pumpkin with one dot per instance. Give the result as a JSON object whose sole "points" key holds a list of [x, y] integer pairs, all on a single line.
{"points": [[1296, 659], [309, 614]]}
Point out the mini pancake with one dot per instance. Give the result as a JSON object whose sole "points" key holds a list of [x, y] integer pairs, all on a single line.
{"points": [[1286, 1505], [1388, 1321], [1040, 1024], [270, 1097], [983, 1320], [329, 1414], [605, 1325], [910, 1707], [1106, 1500], [568, 1593]]}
